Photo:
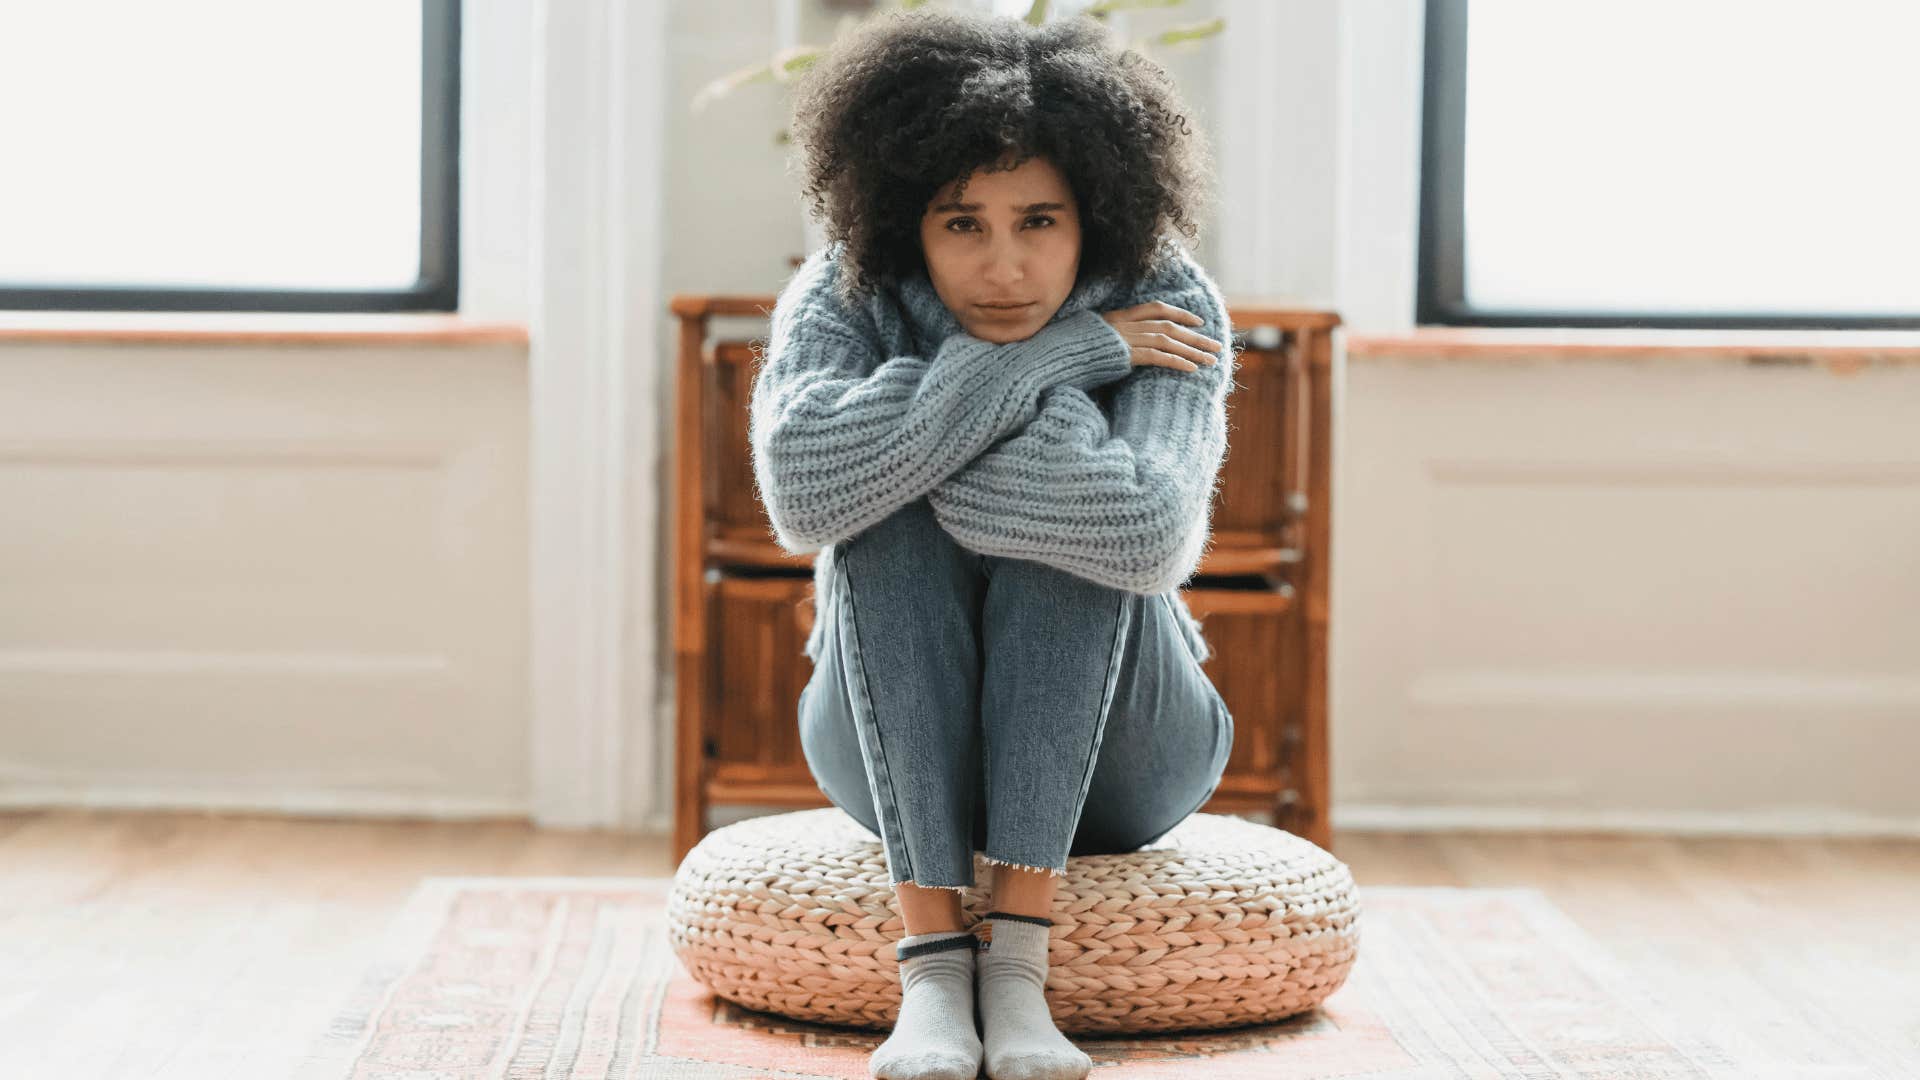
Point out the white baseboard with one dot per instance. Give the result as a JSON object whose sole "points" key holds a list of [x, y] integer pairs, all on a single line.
{"points": [[307, 802], [1363, 817], [1382, 817], [1390, 818]]}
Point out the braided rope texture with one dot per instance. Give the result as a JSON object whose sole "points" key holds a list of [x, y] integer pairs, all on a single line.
{"points": [[1220, 923]]}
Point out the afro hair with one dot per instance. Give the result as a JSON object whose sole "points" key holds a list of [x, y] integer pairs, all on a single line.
{"points": [[911, 100]]}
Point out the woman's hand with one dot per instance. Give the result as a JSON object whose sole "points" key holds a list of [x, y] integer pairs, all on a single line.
{"points": [[1160, 335]]}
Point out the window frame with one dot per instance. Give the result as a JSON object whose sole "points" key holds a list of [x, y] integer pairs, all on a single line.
{"points": [[438, 286], [1441, 272]]}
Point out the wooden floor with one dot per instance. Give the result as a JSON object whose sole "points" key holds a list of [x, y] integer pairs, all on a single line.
{"points": [[173, 946]]}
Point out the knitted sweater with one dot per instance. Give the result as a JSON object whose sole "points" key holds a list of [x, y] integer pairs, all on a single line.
{"points": [[1054, 449]]}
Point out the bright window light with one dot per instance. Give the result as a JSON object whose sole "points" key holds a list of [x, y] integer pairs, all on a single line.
{"points": [[210, 144], [1708, 155]]}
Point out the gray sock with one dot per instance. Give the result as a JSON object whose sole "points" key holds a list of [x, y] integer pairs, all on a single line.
{"points": [[934, 1037], [1022, 1042]]}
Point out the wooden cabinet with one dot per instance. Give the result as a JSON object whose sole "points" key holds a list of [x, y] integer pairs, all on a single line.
{"points": [[743, 606]]}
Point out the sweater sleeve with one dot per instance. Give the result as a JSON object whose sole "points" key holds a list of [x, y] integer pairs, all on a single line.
{"points": [[842, 434], [1127, 504]]}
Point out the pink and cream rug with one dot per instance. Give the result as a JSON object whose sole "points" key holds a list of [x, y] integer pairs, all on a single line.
{"points": [[573, 978]]}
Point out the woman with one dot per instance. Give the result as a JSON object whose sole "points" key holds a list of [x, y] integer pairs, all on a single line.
{"points": [[994, 404]]}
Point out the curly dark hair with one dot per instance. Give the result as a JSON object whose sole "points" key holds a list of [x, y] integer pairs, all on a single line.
{"points": [[909, 101]]}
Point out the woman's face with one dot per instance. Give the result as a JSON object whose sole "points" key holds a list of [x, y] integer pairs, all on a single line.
{"points": [[1014, 241]]}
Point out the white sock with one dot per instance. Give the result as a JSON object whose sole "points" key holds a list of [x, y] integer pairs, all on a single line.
{"points": [[1022, 1042], [934, 1037]]}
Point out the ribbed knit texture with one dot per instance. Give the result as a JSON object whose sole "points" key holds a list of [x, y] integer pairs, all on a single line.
{"points": [[1055, 449]]}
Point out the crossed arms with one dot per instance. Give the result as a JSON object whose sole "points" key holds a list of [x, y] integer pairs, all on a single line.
{"points": [[1005, 441]]}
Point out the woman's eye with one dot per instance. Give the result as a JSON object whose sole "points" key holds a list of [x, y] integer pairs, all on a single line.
{"points": [[969, 221]]}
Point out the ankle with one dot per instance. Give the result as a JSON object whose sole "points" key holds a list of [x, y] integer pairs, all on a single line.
{"points": [[928, 910], [939, 926]]}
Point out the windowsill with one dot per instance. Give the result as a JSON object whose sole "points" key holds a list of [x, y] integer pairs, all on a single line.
{"points": [[252, 328], [1839, 349]]}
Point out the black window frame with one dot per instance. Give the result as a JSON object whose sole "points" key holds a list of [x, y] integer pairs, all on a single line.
{"points": [[1440, 290], [438, 286]]}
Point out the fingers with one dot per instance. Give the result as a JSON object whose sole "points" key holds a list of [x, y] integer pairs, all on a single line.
{"points": [[1167, 351], [1175, 362], [1159, 352], [1202, 344], [1163, 335], [1176, 321], [1160, 309], [1178, 341]]}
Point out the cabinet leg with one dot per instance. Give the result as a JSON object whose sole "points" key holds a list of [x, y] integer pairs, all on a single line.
{"points": [[689, 825]]}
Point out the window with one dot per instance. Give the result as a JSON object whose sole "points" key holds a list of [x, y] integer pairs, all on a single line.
{"points": [[228, 155], [1711, 163]]}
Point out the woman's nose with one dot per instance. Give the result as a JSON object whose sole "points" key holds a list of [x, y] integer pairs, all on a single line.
{"points": [[1004, 269]]}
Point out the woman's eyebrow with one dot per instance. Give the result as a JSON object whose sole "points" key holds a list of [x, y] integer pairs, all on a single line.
{"points": [[971, 207]]}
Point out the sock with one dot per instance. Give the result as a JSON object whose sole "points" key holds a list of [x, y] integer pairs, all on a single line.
{"points": [[934, 1037], [1022, 1042]]}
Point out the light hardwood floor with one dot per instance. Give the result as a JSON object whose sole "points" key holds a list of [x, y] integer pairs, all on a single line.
{"points": [[170, 946]]}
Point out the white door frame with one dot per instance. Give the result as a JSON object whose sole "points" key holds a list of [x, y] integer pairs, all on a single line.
{"points": [[599, 88]]}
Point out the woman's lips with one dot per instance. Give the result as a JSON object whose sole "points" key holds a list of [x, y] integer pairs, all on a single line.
{"points": [[1004, 308]]}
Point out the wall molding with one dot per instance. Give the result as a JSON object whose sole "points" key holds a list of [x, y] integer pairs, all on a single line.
{"points": [[1388, 817], [597, 191], [1626, 687], [251, 793]]}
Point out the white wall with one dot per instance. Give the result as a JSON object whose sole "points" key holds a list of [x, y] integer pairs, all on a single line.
{"points": [[1657, 593], [243, 577]]}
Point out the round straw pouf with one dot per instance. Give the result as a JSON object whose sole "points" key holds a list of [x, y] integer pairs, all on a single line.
{"points": [[1220, 923]]}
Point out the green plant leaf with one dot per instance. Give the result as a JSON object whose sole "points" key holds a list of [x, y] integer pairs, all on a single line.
{"points": [[1103, 7], [1190, 31], [782, 68], [726, 84], [792, 61]]}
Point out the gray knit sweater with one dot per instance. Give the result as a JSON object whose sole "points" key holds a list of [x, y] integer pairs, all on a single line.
{"points": [[1055, 448]]}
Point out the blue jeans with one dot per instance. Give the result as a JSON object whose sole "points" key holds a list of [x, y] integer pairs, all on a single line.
{"points": [[969, 702]]}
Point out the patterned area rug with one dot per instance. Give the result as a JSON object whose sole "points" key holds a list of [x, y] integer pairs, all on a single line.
{"points": [[574, 978]]}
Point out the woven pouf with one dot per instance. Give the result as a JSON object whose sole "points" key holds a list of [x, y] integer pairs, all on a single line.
{"points": [[1220, 923]]}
